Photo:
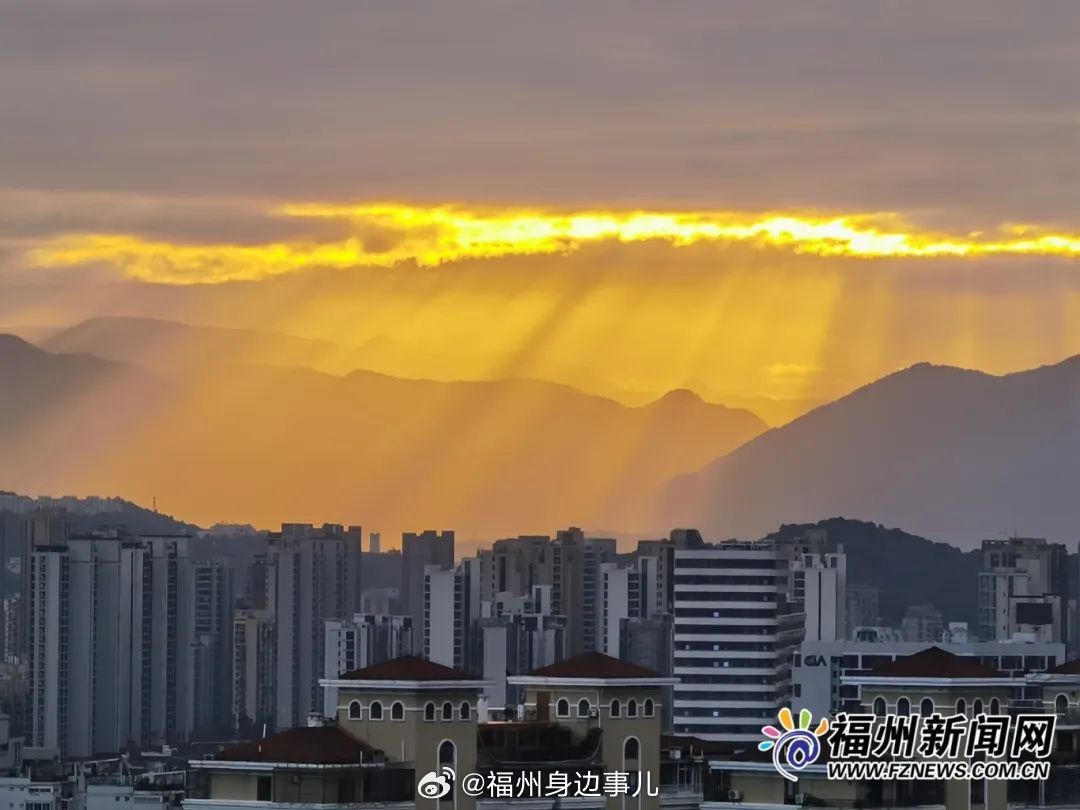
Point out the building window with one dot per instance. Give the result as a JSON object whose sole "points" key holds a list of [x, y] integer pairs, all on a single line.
{"points": [[264, 789], [448, 756], [630, 750], [448, 711], [1061, 704], [648, 709], [903, 707], [926, 708], [465, 710], [355, 710], [977, 706], [583, 708], [961, 706], [616, 708], [562, 708], [397, 711], [995, 706], [375, 710], [631, 708], [879, 707], [429, 711]]}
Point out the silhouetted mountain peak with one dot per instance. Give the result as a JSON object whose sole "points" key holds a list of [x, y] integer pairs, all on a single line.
{"points": [[14, 346]]}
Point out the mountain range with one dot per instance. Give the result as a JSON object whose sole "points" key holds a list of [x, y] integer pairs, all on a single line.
{"points": [[944, 452], [227, 439], [211, 423]]}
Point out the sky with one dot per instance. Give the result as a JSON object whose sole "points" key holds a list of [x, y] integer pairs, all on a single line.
{"points": [[757, 201]]}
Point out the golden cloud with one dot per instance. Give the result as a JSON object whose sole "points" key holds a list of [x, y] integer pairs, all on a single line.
{"points": [[390, 234]]}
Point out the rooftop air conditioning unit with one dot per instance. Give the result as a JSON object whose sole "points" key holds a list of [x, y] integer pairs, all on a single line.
{"points": [[734, 795], [594, 713]]}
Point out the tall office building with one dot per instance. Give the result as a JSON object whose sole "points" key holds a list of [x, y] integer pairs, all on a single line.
{"points": [[575, 584], [253, 672], [1023, 589], [315, 577], [735, 638], [111, 646], [419, 551]]}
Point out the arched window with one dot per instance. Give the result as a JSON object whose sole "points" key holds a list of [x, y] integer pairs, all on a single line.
{"points": [[429, 711], [631, 708], [447, 753], [648, 709], [448, 711], [977, 707], [562, 708], [375, 710], [903, 707], [583, 708], [465, 710], [1061, 704], [616, 708], [961, 706], [397, 711], [879, 707], [926, 707], [630, 749], [356, 711], [995, 706]]}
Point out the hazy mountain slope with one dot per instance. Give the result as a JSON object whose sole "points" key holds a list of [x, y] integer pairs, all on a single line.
{"points": [[256, 444], [946, 453], [66, 412], [178, 348]]}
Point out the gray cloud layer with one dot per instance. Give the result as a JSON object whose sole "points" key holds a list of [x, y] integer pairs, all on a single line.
{"points": [[966, 110]]}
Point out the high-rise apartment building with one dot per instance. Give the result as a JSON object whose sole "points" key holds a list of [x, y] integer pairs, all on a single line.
{"points": [[735, 637], [253, 672], [819, 591], [111, 644], [863, 608], [448, 609], [359, 642], [576, 582], [1023, 589], [211, 608], [419, 551], [315, 577]]}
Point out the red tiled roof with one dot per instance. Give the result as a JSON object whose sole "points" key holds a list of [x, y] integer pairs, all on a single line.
{"points": [[318, 745], [934, 662], [1068, 668], [594, 665], [407, 668]]}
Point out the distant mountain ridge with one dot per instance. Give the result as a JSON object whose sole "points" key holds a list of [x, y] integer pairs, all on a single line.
{"points": [[230, 441], [180, 349], [947, 453]]}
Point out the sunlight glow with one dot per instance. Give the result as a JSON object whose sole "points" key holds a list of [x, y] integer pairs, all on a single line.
{"points": [[387, 235]]}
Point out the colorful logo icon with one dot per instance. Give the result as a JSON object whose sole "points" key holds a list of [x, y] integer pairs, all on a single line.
{"points": [[793, 748]]}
